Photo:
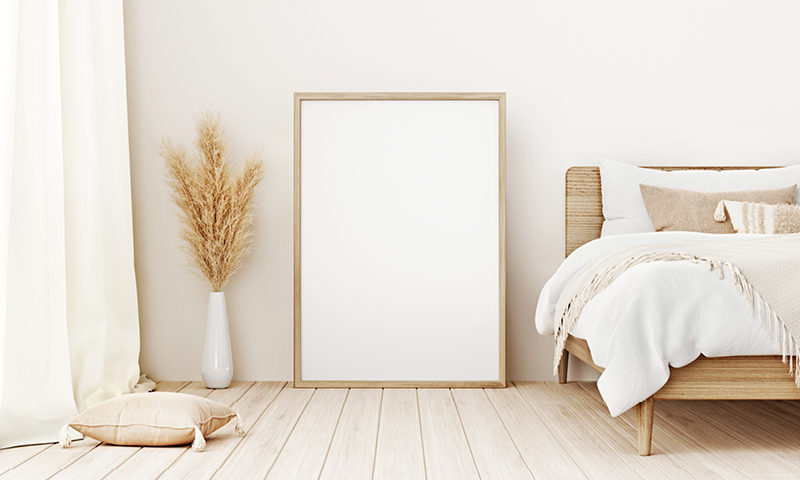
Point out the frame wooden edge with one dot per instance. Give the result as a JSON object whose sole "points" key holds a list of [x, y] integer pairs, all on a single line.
{"points": [[500, 97], [297, 377], [399, 384], [502, 203]]}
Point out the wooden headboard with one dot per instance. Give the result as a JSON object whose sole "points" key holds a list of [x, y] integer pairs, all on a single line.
{"points": [[584, 202]]}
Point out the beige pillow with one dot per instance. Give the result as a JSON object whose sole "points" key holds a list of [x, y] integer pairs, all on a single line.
{"points": [[152, 419], [759, 218], [672, 209]]}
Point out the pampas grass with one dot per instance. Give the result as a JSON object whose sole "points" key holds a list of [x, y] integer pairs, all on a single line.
{"points": [[216, 207]]}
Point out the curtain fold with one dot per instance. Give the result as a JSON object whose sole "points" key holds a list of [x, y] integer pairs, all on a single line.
{"points": [[69, 334]]}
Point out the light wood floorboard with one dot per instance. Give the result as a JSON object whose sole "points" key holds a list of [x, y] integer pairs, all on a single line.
{"points": [[783, 410], [399, 451], [543, 454], [305, 451], [259, 449], [780, 443], [680, 446], [786, 427], [596, 459], [727, 447], [495, 453], [249, 404], [11, 457], [51, 461], [352, 452], [621, 437], [531, 430], [447, 452]]}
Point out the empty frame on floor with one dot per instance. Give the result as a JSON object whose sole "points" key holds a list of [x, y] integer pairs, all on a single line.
{"points": [[399, 239]]}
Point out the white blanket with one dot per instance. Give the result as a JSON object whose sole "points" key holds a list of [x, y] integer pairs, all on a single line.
{"points": [[654, 316]]}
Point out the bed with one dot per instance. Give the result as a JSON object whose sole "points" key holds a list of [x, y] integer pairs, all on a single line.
{"points": [[761, 377]]}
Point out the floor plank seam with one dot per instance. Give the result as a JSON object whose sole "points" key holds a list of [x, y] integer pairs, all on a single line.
{"points": [[769, 413], [655, 445], [280, 452], [378, 434], [335, 429], [27, 459], [577, 413], [139, 449], [731, 433], [514, 442], [654, 442], [252, 384], [137, 452], [599, 399], [185, 449], [73, 462], [253, 424], [688, 434], [722, 427], [552, 434], [421, 437], [704, 450], [464, 431]]}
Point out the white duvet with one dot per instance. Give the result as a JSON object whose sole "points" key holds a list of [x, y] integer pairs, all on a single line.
{"points": [[654, 316]]}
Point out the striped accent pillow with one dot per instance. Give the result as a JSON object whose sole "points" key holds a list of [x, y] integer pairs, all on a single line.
{"points": [[749, 217]]}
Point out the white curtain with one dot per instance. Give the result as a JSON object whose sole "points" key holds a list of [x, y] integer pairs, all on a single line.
{"points": [[69, 328]]}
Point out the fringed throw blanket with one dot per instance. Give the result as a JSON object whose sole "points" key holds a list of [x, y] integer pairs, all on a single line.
{"points": [[766, 271]]}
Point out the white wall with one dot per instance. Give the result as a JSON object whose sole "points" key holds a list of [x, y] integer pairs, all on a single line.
{"points": [[681, 82]]}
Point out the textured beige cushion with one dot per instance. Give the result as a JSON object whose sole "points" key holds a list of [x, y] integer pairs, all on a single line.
{"points": [[759, 218], [153, 419], [672, 209]]}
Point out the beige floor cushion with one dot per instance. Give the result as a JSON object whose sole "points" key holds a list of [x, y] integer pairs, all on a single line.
{"points": [[153, 419]]}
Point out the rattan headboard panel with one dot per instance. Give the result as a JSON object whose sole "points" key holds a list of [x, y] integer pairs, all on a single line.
{"points": [[584, 202]]}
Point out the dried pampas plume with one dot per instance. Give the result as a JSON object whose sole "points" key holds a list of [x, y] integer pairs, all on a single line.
{"points": [[216, 208]]}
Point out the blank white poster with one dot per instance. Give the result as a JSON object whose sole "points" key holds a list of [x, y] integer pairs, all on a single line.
{"points": [[399, 245]]}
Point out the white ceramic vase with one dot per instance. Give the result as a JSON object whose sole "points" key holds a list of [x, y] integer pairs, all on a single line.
{"points": [[217, 369]]}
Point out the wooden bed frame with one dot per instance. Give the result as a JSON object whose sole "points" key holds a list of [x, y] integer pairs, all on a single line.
{"points": [[721, 378]]}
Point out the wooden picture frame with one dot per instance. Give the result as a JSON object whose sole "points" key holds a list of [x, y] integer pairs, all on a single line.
{"points": [[399, 240]]}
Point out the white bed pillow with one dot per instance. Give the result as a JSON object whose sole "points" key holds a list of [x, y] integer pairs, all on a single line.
{"points": [[623, 207]]}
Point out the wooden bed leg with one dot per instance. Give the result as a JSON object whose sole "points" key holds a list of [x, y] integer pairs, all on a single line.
{"points": [[562, 367], [644, 425]]}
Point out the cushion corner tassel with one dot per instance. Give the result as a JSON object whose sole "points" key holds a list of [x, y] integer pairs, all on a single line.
{"points": [[239, 425], [63, 437], [199, 442]]}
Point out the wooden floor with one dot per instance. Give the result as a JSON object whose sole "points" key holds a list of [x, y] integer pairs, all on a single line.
{"points": [[530, 430]]}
